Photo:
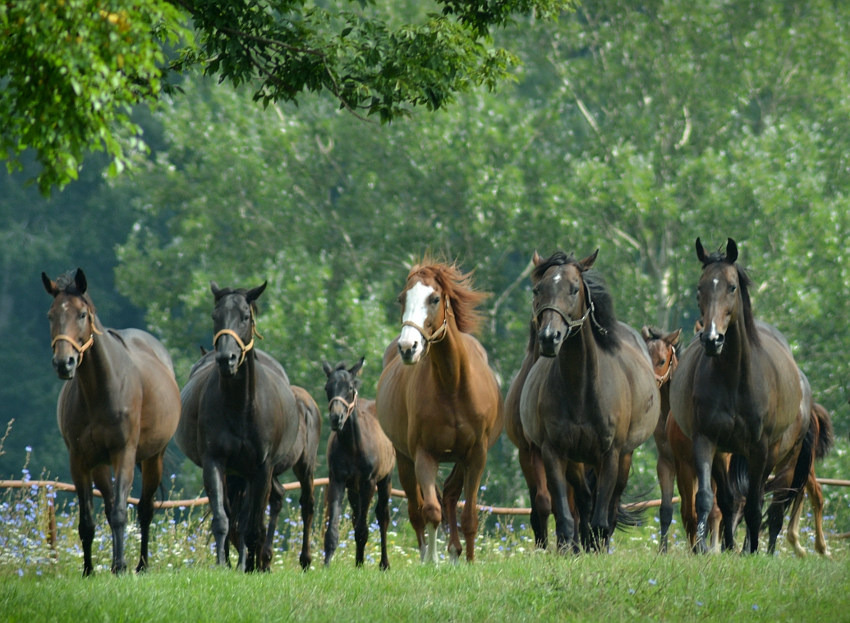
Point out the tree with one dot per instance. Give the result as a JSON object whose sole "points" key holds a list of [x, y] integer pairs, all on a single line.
{"points": [[72, 69]]}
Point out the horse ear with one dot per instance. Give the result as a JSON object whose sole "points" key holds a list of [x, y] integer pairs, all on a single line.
{"points": [[672, 338], [698, 327], [536, 259], [49, 285], [355, 369], [731, 251], [82, 284], [327, 368], [700, 252], [644, 333], [215, 289], [587, 262], [254, 293]]}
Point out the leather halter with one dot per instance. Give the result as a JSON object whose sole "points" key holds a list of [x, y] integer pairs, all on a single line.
{"points": [[671, 365], [80, 349], [349, 406], [571, 324], [436, 336], [242, 346]]}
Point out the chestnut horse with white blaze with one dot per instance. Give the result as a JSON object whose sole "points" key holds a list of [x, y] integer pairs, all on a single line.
{"points": [[438, 401], [118, 409]]}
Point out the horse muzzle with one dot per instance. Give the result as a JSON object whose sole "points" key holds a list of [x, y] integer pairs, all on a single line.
{"points": [[712, 344], [337, 421], [228, 363], [65, 367], [550, 341], [410, 352]]}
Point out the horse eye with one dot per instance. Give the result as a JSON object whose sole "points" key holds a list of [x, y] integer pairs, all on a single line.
{"points": [[663, 361], [435, 300], [246, 318], [83, 315], [732, 288], [535, 290]]}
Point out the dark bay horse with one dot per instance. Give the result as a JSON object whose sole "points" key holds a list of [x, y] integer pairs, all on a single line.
{"points": [[662, 351], [438, 401], [119, 408], [737, 390], [591, 398], [239, 417], [301, 459], [360, 459]]}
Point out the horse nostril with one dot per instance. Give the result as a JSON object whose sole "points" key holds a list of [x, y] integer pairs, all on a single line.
{"points": [[413, 348]]}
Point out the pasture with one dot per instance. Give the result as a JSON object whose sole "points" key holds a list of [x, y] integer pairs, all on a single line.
{"points": [[508, 581]]}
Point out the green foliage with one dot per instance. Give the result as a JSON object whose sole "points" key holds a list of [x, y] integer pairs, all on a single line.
{"points": [[71, 70]]}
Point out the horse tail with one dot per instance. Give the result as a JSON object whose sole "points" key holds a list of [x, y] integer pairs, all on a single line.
{"points": [[826, 434], [802, 467], [739, 477], [630, 516]]}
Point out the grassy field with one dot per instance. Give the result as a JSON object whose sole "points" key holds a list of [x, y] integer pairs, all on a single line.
{"points": [[508, 582]]}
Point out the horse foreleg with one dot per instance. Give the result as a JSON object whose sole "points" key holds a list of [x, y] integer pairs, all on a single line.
{"points": [[253, 511], [606, 483], [558, 490], [407, 478], [583, 497], [151, 477], [426, 476], [724, 501], [275, 505], [451, 494], [214, 485], [382, 514], [83, 483], [361, 525], [625, 464], [473, 472], [758, 471], [816, 500], [541, 501], [304, 473], [665, 470], [704, 451], [793, 531], [335, 490], [123, 466]]}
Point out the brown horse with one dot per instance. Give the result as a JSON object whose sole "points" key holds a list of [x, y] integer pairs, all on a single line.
{"points": [[119, 408], [239, 417], [662, 351], [591, 398], [438, 401], [737, 390]]}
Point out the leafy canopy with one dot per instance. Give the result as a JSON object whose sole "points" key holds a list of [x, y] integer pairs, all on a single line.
{"points": [[71, 70]]}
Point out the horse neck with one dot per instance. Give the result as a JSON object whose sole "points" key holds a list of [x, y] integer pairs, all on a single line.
{"points": [[350, 437], [578, 362], [239, 390], [735, 361], [99, 372], [448, 357]]}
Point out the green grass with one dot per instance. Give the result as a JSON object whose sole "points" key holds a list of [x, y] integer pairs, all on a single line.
{"points": [[508, 582]]}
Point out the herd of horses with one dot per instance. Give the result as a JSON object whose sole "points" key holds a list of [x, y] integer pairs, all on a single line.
{"points": [[733, 417]]}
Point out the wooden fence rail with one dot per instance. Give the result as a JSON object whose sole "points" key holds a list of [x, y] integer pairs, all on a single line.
{"points": [[289, 486]]}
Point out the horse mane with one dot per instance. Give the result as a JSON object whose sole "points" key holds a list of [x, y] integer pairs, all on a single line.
{"points": [[745, 284], [458, 287], [608, 337], [67, 284]]}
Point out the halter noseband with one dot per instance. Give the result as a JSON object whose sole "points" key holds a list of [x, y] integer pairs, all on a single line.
{"points": [[671, 365], [80, 349], [436, 336], [242, 346], [571, 324], [349, 406]]}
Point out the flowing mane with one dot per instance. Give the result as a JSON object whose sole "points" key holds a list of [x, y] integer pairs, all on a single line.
{"points": [[744, 283], [607, 337], [458, 287]]}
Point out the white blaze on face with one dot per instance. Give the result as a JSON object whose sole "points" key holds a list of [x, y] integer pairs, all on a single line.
{"points": [[416, 311], [712, 331]]}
